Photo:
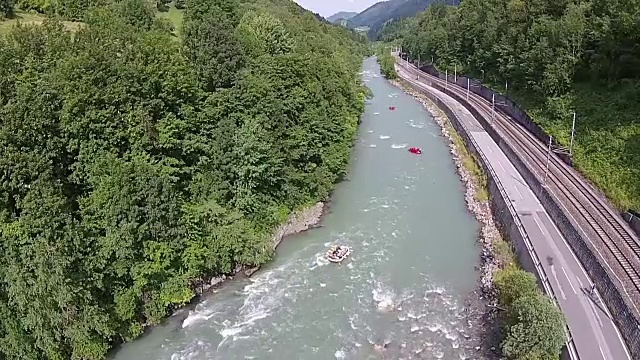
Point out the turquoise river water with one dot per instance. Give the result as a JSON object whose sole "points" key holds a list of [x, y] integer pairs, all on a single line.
{"points": [[406, 282]]}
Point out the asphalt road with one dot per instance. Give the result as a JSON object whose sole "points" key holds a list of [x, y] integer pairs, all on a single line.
{"points": [[594, 334]]}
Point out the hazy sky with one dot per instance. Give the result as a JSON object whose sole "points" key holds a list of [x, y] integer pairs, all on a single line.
{"points": [[329, 7]]}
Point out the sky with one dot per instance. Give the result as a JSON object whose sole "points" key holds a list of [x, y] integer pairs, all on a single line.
{"points": [[327, 8]]}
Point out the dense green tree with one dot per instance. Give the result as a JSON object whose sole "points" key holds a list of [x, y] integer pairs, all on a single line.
{"points": [[134, 167], [536, 329], [263, 33], [513, 283], [6, 8], [211, 43], [557, 57]]}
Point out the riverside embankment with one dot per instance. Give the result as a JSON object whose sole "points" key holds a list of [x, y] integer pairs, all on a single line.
{"points": [[541, 247], [409, 283]]}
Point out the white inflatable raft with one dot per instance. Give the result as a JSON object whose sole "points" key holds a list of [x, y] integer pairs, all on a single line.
{"points": [[338, 253]]}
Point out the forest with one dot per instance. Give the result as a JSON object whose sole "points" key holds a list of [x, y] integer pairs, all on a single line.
{"points": [[137, 163], [557, 57]]}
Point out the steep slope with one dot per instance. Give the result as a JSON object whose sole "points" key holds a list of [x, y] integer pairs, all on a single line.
{"points": [[378, 14], [150, 165], [342, 15]]}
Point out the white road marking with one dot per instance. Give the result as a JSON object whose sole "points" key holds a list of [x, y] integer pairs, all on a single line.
{"points": [[565, 274], [602, 352], [595, 311], [555, 276], [518, 191]]}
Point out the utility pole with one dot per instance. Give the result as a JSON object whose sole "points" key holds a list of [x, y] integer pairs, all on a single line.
{"points": [[493, 106], [467, 89], [506, 86], [455, 73], [546, 170], [446, 78], [573, 130]]}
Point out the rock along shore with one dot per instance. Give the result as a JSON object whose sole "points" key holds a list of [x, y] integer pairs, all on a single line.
{"points": [[489, 233], [298, 222]]}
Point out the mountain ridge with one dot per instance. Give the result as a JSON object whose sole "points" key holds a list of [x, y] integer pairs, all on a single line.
{"points": [[341, 15], [382, 12]]}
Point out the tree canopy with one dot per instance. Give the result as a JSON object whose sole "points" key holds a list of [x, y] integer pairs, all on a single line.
{"points": [[135, 165], [557, 57]]}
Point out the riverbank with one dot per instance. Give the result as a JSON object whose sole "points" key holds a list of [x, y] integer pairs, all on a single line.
{"points": [[495, 252], [298, 222]]}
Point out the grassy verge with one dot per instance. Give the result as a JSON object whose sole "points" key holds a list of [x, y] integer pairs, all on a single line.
{"points": [[30, 18]]}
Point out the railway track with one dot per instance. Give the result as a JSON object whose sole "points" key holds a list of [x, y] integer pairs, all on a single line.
{"points": [[599, 219]]}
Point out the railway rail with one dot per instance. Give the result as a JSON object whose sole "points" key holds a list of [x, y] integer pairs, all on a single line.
{"points": [[578, 198]]}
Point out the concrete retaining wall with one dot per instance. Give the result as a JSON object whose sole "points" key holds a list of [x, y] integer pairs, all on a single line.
{"points": [[607, 283], [633, 219]]}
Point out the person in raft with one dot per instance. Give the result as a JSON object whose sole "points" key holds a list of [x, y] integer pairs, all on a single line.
{"points": [[336, 251]]}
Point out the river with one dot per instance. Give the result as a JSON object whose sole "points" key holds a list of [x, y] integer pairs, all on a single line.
{"points": [[406, 282]]}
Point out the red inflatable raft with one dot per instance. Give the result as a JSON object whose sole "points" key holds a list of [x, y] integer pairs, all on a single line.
{"points": [[415, 150], [392, 108]]}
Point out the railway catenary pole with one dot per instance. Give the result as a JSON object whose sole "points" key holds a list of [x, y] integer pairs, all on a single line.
{"points": [[467, 89], [493, 106], [573, 130], [455, 73], [446, 78], [546, 170]]}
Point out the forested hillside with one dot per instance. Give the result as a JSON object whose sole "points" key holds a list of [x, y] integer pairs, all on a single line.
{"points": [[135, 164], [557, 57], [379, 14], [342, 15]]}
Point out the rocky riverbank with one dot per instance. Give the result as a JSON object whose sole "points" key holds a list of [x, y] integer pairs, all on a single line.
{"points": [[298, 222], [482, 309]]}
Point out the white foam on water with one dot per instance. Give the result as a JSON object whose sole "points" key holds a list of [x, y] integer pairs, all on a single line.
{"points": [[414, 328], [399, 146], [193, 351], [372, 145], [339, 354], [384, 137], [196, 316], [226, 332], [352, 319], [376, 113], [263, 296], [384, 297], [415, 124]]}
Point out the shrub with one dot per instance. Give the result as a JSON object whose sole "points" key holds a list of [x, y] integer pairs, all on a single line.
{"points": [[513, 283], [535, 329]]}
